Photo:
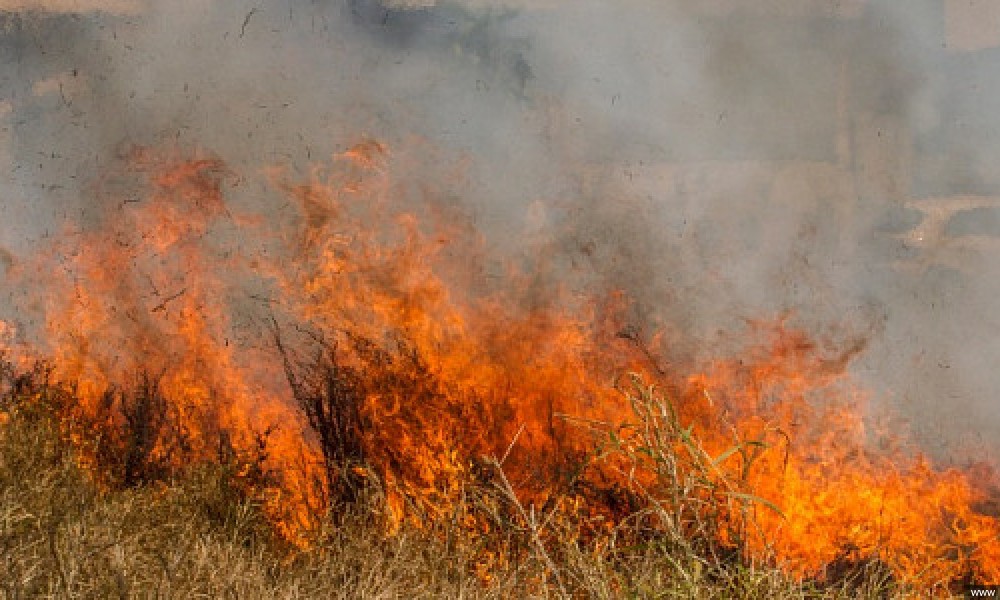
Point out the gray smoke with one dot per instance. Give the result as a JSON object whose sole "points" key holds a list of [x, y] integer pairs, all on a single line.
{"points": [[717, 160]]}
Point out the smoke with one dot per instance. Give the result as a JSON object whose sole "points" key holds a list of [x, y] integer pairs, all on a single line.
{"points": [[718, 160]]}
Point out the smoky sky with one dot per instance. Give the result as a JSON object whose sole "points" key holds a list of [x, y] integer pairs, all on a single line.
{"points": [[717, 161]]}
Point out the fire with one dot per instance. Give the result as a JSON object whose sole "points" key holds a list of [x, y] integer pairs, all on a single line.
{"points": [[840, 498], [404, 371]]}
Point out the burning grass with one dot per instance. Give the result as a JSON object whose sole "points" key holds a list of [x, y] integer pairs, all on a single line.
{"points": [[391, 429], [203, 531]]}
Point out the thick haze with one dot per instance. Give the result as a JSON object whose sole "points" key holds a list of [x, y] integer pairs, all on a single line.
{"points": [[840, 160]]}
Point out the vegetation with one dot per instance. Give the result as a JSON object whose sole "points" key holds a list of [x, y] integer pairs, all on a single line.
{"points": [[88, 509]]}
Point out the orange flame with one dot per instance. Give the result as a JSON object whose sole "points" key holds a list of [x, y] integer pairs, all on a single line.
{"points": [[451, 374]]}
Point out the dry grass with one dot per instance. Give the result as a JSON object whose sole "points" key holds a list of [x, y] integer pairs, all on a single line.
{"points": [[202, 534]]}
